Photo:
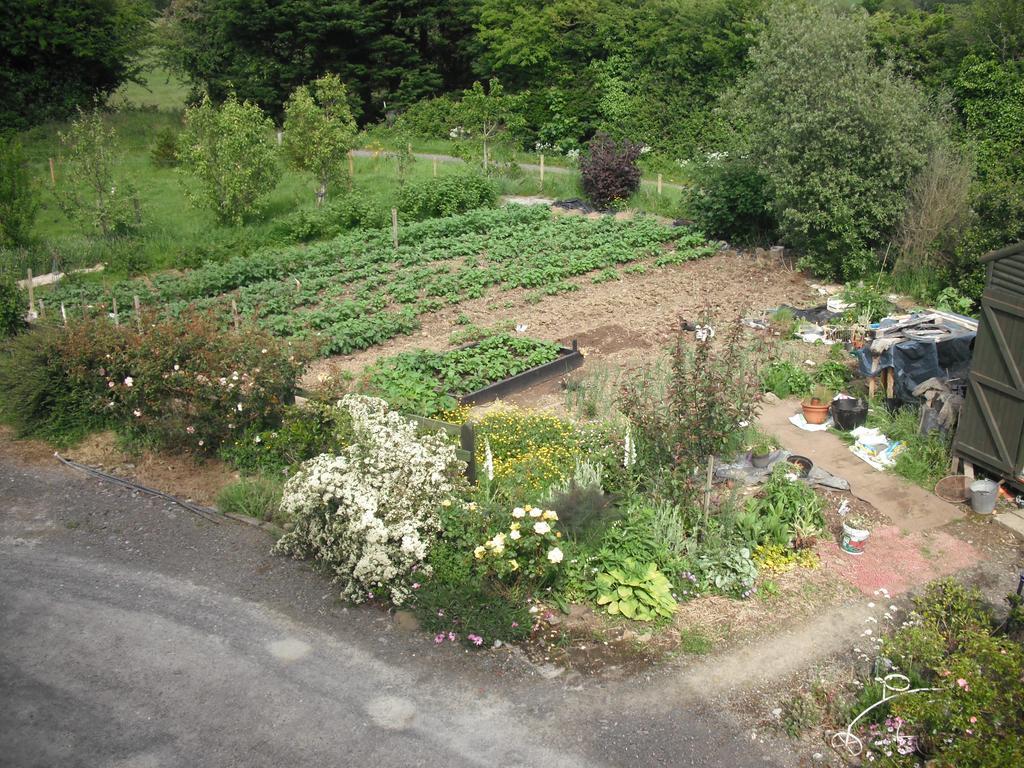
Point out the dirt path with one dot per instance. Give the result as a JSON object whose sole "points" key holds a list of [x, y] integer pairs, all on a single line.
{"points": [[556, 169]]}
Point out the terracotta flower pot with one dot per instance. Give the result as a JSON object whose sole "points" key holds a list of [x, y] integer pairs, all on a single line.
{"points": [[815, 411]]}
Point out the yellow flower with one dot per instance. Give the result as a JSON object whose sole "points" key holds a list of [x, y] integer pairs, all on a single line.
{"points": [[550, 515], [513, 565], [514, 527], [479, 553]]}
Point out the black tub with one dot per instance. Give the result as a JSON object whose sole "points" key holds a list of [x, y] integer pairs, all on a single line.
{"points": [[849, 413]]}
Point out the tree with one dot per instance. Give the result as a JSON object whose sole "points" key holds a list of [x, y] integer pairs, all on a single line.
{"points": [[837, 137], [230, 153], [18, 199], [319, 130], [486, 114], [58, 55], [89, 191], [391, 52]]}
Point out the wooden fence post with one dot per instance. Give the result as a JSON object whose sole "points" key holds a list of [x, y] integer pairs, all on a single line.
{"points": [[138, 312], [234, 314], [42, 310], [63, 314], [351, 165], [280, 137], [435, 167], [659, 184], [467, 441], [117, 320], [394, 227], [542, 171], [53, 174], [31, 293]]}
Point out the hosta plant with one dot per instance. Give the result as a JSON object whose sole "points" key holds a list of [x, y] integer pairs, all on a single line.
{"points": [[636, 591], [370, 514]]}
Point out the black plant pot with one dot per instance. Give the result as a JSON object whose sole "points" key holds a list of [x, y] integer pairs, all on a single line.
{"points": [[849, 413]]}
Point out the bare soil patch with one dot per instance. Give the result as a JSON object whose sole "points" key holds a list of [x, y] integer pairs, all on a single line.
{"points": [[618, 321]]}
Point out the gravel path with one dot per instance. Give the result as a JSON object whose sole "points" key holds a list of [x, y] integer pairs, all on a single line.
{"points": [[133, 633]]}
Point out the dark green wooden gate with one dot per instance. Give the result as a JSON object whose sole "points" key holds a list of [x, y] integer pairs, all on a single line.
{"points": [[991, 429]]}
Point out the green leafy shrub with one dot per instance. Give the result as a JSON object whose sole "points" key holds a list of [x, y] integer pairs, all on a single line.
{"points": [[832, 375], [42, 398], [609, 170], [305, 431], [13, 307], [429, 118], [782, 378], [344, 211], [525, 550], [369, 515], [870, 300], [180, 383], [785, 513], [164, 153], [228, 152], [730, 199], [639, 592], [447, 196], [258, 497], [319, 130], [975, 717], [19, 201]]}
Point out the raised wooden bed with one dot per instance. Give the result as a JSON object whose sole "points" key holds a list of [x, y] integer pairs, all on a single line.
{"points": [[569, 358]]}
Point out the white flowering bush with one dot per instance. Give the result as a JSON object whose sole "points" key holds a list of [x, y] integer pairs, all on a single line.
{"points": [[370, 514]]}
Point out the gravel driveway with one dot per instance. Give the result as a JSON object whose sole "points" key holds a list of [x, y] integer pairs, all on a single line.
{"points": [[133, 633]]}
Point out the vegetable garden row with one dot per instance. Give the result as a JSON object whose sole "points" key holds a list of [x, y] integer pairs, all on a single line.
{"points": [[358, 289]]}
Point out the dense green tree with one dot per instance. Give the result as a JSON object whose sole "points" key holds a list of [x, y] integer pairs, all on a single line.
{"points": [[58, 55], [319, 130], [229, 152], [392, 52], [486, 114], [90, 190], [837, 137]]}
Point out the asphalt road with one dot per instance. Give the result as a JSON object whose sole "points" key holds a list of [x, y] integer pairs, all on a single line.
{"points": [[134, 634]]}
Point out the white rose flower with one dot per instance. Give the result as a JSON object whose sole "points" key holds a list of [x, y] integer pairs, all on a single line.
{"points": [[541, 527], [518, 512], [515, 535], [555, 555]]}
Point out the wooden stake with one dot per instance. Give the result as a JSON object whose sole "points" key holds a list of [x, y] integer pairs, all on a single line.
{"points": [[234, 314], [435, 167], [394, 226], [138, 312], [138, 210], [707, 490], [659, 184], [280, 137], [351, 166], [31, 291], [542, 171], [117, 320], [53, 174], [42, 310], [63, 314]]}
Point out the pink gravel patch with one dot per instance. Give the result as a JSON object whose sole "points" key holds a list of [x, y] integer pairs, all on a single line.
{"points": [[898, 562]]}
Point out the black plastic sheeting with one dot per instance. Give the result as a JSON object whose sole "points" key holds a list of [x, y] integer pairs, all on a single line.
{"points": [[916, 361]]}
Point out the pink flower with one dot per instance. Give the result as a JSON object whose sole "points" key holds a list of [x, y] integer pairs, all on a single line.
{"points": [[963, 684], [415, 585], [515, 623], [973, 719], [452, 636], [439, 638], [475, 639]]}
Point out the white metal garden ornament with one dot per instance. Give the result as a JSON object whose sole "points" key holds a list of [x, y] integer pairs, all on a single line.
{"points": [[704, 333], [893, 685]]}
